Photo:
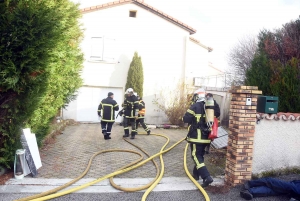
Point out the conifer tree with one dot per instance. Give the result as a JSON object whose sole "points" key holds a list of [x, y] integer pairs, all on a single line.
{"points": [[135, 77]]}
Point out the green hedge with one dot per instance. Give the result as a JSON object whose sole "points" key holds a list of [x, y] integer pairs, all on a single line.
{"points": [[40, 67]]}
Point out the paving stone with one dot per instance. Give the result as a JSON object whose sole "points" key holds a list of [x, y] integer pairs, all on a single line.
{"points": [[70, 154]]}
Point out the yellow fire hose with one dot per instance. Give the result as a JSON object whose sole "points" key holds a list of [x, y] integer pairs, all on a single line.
{"points": [[191, 177], [147, 185], [135, 164]]}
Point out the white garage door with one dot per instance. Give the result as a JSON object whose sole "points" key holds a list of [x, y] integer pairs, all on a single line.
{"points": [[89, 98]]}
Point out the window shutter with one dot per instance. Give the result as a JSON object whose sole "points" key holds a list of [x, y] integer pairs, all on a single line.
{"points": [[109, 49], [97, 48]]}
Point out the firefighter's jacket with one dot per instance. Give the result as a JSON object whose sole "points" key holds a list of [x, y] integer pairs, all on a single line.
{"points": [[142, 109], [131, 106], [198, 130], [107, 109]]}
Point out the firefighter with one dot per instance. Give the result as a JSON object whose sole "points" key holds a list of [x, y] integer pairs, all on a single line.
{"points": [[131, 110], [217, 114], [141, 115], [199, 118], [106, 110]]}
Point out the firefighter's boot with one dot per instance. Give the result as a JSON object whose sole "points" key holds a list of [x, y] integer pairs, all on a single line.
{"points": [[208, 180], [133, 133], [105, 135], [126, 131], [203, 172]]}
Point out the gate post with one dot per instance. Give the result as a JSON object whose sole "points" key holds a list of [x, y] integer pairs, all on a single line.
{"points": [[242, 121]]}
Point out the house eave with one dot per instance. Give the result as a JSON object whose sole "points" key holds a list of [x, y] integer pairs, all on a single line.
{"points": [[142, 5]]}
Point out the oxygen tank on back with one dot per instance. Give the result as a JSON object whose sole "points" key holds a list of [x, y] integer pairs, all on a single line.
{"points": [[209, 110]]}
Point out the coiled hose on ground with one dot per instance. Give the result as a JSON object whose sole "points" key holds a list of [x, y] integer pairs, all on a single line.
{"points": [[135, 164]]}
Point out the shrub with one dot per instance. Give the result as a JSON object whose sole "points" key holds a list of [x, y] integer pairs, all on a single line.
{"points": [[174, 103]]}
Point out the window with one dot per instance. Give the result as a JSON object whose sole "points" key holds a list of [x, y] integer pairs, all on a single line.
{"points": [[103, 49], [132, 13]]}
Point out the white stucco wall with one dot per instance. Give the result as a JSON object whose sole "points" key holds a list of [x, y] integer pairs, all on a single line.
{"points": [[164, 47], [276, 145], [160, 43], [197, 60]]}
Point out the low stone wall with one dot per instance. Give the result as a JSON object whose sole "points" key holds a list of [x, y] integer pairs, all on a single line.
{"points": [[276, 142]]}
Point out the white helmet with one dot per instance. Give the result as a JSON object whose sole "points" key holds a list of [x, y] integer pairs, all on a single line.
{"points": [[129, 90], [200, 94], [135, 94]]}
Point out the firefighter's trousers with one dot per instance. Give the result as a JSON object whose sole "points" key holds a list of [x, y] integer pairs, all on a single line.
{"points": [[126, 122], [142, 122], [106, 127], [198, 151]]}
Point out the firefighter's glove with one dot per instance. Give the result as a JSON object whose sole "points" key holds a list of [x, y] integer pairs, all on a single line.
{"points": [[99, 114], [136, 117]]}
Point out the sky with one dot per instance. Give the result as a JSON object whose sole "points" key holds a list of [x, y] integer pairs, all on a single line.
{"points": [[220, 24]]}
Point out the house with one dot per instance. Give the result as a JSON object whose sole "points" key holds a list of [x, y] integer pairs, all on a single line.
{"points": [[112, 33]]}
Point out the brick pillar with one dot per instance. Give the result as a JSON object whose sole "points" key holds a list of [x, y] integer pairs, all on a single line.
{"points": [[242, 121]]}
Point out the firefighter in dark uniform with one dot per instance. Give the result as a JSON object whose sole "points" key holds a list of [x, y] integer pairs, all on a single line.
{"points": [[106, 110], [131, 110], [198, 131], [141, 115]]}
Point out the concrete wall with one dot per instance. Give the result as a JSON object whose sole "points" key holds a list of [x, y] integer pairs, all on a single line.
{"points": [[276, 144]]}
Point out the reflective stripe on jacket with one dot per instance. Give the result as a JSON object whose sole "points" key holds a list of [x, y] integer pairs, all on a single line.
{"points": [[198, 130], [107, 107], [130, 106]]}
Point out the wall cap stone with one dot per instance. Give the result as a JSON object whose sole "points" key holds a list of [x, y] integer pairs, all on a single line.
{"points": [[279, 116]]}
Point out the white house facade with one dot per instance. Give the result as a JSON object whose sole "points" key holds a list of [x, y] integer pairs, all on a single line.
{"points": [[112, 33]]}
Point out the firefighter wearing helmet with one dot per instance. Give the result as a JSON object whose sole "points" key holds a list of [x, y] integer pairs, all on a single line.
{"points": [[131, 110], [199, 117]]}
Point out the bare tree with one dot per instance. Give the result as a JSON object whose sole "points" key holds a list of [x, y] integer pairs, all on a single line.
{"points": [[240, 58]]}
